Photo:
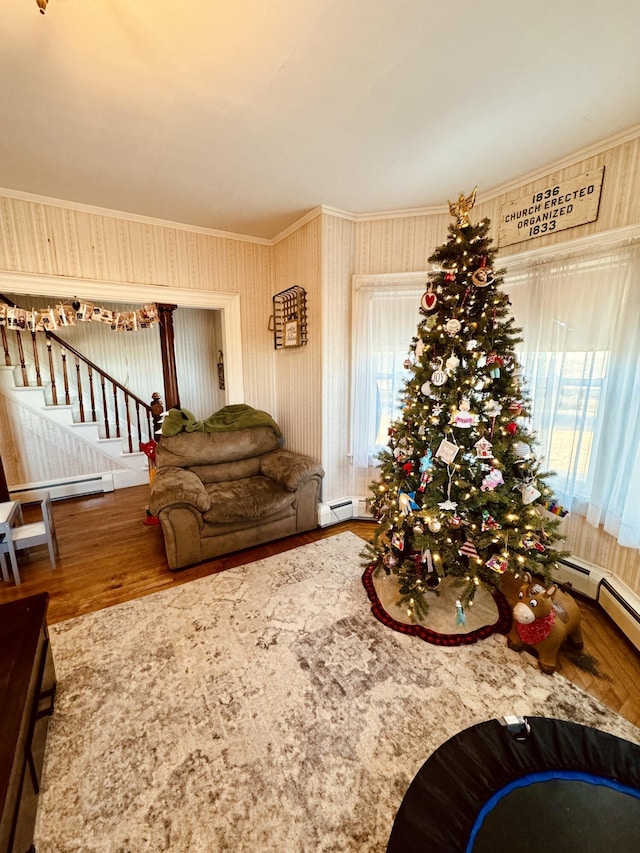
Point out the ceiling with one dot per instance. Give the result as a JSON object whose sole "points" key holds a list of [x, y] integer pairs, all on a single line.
{"points": [[243, 115]]}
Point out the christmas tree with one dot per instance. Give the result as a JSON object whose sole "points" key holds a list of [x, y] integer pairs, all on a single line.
{"points": [[461, 492]]}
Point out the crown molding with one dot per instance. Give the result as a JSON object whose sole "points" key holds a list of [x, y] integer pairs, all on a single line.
{"points": [[433, 210], [131, 217], [557, 165]]}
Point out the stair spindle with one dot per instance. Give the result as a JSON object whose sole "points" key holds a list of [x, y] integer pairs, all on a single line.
{"points": [[107, 431], [92, 395], [65, 376], [126, 406], [79, 387], [36, 359], [23, 366], [115, 408], [52, 375]]}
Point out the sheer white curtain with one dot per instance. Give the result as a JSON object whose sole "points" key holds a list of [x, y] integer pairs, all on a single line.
{"points": [[385, 319], [580, 317]]}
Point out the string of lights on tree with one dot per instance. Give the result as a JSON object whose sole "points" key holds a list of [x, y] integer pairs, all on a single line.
{"points": [[461, 492]]}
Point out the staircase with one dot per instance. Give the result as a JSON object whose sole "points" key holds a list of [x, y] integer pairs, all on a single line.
{"points": [[67, 400]]}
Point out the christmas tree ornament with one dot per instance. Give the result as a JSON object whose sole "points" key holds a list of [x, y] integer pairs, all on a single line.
{"points": [[407, 364], [493, 479], [495, 362], [512, 428], [439, 376], [399, 455], [514, 408], [452, 326], [461, 619], [462, 207], [418, 527], [426, 461], [498, 563], [420, 346], [429, 300], [489, 522], [397, 540], [437, 409], [492, 408], [530, 493], [468, 549], [434, 525], [483, 449], [471, 345], [447, 450], [425, 389], [463, 418], [407, 468], [482, 276], [425, 478], [452, 363], [455, 522], [427, 558], [390, 560], [407, 502], [521, 449], [530, 540]]}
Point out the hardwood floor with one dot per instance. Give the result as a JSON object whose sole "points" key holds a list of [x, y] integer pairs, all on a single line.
{"points": [[108, 555]]}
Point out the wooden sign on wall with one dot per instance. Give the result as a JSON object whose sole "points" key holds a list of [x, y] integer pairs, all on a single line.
{"points": [[572, 202]]}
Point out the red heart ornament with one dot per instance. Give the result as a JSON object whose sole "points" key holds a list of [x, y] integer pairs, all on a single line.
{"points": [[428, 301]]}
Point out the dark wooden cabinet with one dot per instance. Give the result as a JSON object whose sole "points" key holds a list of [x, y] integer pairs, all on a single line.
{"points": [[27, 690]]}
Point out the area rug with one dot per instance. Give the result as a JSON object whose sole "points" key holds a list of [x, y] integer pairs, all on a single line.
{"points": [[264, 709]]}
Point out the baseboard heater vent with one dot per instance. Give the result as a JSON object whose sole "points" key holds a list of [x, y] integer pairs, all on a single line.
{"points": [[89, 484], [623, 606], [584, 577], [613, 595], [343, 509], [335, 511]]}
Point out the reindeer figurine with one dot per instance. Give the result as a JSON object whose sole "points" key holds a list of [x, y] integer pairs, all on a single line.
{"points": [[543, 619]]}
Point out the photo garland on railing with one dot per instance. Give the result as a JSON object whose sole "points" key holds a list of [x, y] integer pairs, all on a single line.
{"points": [[41, 320]]}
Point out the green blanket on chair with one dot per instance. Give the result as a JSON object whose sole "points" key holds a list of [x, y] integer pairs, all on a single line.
{"points": [[239, 416]]}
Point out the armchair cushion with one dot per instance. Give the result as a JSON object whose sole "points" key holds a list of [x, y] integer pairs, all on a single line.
{"points": [[246, 500], [177, 486], [289, 470]]}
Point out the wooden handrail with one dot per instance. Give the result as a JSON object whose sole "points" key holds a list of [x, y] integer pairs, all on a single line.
{"points": [[94, 366]]}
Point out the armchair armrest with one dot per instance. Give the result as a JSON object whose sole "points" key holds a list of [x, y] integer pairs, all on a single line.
{"points": [[177, 487], [289, 470]]}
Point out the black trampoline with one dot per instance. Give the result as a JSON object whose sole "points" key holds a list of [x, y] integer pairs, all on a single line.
{"points": [[533, 785]]}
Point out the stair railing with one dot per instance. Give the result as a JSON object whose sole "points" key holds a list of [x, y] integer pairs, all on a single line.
{"points": [[142, 419]]}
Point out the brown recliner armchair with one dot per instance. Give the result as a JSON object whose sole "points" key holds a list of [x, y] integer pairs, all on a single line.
{"points": [[220, 491]]}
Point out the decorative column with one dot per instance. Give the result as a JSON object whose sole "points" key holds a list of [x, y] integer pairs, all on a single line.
{"points": [[171, 394]]}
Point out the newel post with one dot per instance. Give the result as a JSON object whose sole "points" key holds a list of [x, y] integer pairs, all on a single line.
{"points": [[167, 351]]}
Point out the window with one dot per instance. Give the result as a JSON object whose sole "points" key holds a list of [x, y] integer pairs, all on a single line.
{"points": [[385, 319], [580, 316]]}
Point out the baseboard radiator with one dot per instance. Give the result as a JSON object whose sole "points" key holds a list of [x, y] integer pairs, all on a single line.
{"points": [[89, 484], [618, 600], [614, 596], [342, 509]]}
